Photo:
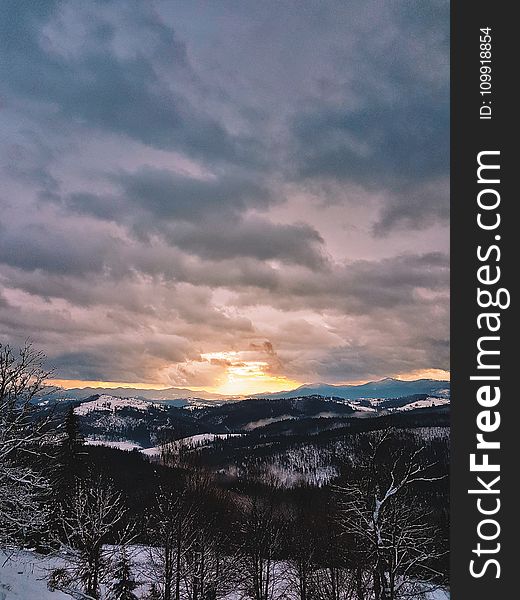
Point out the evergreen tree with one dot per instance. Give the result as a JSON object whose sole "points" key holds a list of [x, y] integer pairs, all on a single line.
{"points": [[70, 463], [124, 584], [66, 471], [73, 437]]}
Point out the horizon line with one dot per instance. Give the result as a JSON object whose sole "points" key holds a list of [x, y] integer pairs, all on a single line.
{"points": [[70, 384]]}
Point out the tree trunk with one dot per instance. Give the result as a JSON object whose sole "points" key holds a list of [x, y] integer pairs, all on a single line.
{"points": [[179, 556], [167, 573], [359, 583], [377, 584]]}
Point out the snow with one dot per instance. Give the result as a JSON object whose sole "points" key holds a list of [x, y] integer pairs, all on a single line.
{"points": [[155, 451], [122, 445], [439, 595], [199, 403], [361, 408], [203, 438], [23, 577], [427, 403], [112, 404], [193, 441], [289, 477], [267, 421]]}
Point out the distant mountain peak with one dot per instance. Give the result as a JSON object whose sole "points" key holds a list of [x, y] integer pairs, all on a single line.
{"points": [[383, 388]]}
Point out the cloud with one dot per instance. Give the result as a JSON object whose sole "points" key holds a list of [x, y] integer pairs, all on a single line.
{"points": [[93, 84], [392, 132], [168, 195], [393, 312], [179, 183]]}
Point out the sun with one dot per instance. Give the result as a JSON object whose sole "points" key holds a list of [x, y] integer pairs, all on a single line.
{"points": [[243, 377]]}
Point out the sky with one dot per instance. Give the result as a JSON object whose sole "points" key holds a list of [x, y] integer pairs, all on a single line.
{"points": [[231, 196]]}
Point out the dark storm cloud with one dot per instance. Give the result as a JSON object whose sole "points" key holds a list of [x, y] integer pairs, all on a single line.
{"points": [[359, 288], [403, 149], [394, 134], [254, 238], [415, 205], [35, 246], [378, 144], [168, 195], [203, 217], [151, 196], [98, 88], [133, 361]]}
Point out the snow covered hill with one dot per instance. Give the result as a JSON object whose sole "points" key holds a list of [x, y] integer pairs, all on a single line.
{"points": [[426, 403], [190, 442], [137, 423], [105, 403]]}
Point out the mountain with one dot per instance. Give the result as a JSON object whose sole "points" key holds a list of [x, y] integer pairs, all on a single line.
{"points": [[255, 413], [293, 441], [142, 422], [147, 423], [169, 394], [384, 389]]}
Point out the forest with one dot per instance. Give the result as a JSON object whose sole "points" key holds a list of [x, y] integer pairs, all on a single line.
{"points": [[120, 525]]}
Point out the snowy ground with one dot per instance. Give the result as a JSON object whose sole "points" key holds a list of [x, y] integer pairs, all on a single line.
{"points": [[428, 403], [193, 441], [123, 445], [23, 576]]}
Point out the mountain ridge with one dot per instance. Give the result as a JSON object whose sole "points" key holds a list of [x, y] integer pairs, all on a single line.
{"points": [[387, 387], [383, 388]]}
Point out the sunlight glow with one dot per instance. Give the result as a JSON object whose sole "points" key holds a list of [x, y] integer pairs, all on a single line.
{"points": [[240, 378], [439, 374], [247, 377]]}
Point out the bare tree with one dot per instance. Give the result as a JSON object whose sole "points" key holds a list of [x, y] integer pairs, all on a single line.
{"points": [[331, 582], [22, 439], [172, 539], [393, 534], [261, 537], [303, 551], [89, 518], [209, 565]]}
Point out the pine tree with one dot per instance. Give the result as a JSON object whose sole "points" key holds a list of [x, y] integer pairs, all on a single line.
{"points": [[71, 454], [124, 584], [70, 463], [67, 470], [72, 430]]}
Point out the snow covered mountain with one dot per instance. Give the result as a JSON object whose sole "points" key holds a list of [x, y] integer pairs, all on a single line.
{"points": [[129, 423]]}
